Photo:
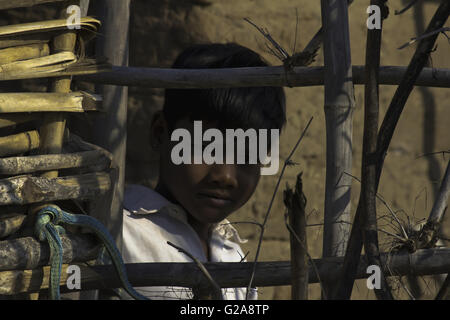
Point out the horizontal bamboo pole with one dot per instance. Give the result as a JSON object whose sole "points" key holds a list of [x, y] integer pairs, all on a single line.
{"points": [[21, 165], [25, 52], [10, 223], [29, 253], [251, 77], [25, 40], [61, 64], [13, 119], [19, 143], [48, 102], [227, 275], [57, 61], [27, 189], [8, 4], [88, 25]]}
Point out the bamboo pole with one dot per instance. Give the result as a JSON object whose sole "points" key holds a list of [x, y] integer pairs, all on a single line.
{"points": [[52, 129], [110, 129], [29, 253], [19, 143], [226, 274], [295, 202], [61, 64], [251, 77], [10, 223], [53, 124], [48, 102], [339, 105], [418, 61], [368, 168], [25, 52], [30, 164], [59, 26], [23, 190]]}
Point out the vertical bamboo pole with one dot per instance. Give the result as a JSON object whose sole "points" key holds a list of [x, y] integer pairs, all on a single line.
{"points": [[53, 124], [339, 105], [110, 129], [385, 133], [369, 168]]}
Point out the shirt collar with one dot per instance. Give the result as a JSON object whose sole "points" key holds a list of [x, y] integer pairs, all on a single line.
{"points": [[140, 200]]}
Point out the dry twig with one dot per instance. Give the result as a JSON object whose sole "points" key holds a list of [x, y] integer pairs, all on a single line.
{"points": [[286, 163], [409, 5], [426, 35], [217, 293], [295, 220]]}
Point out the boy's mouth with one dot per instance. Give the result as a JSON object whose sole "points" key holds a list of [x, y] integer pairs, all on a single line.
{"points": [[215, 199]]}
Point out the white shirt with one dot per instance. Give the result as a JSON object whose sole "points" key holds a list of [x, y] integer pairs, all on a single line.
{"points": [[150, 220]]}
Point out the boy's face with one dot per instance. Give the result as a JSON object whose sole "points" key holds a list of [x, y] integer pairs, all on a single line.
{"points": [[209, 193]]}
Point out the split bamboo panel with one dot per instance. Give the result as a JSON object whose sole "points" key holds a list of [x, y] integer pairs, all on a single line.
{"points": [[48, 102], [88, 26], [19, 143], [23, 190], [25, 52], [30, 164]]}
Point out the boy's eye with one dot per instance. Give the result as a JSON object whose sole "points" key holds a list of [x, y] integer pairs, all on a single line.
{"points": [[250, 155]]}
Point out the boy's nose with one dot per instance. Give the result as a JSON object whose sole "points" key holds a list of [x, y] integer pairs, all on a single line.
{"points": [[223, 175]]}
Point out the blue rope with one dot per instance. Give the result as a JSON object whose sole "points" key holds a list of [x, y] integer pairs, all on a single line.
{"points": [[48, 228]]}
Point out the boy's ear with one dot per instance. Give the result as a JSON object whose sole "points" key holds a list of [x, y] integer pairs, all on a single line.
{"points": [[158, 130]]}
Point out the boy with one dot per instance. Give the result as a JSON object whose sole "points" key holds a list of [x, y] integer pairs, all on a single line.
{"points": [[191, 201]]}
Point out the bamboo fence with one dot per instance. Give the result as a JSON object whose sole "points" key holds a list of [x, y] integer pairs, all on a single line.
{"points": [[49, 164]]}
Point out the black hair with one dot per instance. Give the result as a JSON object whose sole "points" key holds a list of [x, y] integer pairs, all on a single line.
{"points": [[246, 107]]}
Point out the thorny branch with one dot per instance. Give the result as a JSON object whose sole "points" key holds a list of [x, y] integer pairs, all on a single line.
{"points": [[286, 163], [443, 152], [379, 197], [217, 294], [426, 35]]}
